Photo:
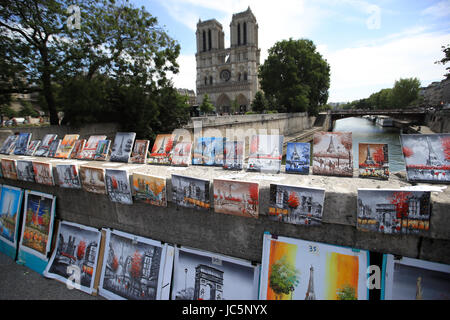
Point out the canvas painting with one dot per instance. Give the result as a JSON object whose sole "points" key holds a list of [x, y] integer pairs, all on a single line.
{"points": [[101, 153], [32, 147], [10, 206], [233, 155], [140, 151], [394, 211], [122, 146], [239, 198], [53, 148], [118, 186], [373, 161], [93, 179], [161, 150], [67, 176], [9, 144], [25, 171], [332, 154], [208, 151], [77, 148], [43, 173], [296, 205], [294, 269], [297, 157], [427, 157], [74, 259], [150, 189], [181, 154], [22, 143], [42, 150], [135, 268], [9, 169], [190, 192], [265, 153], [65, 148], [202, 275], [414, 279], [89, 149]]}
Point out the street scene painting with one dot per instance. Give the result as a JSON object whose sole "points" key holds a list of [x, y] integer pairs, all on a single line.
{"points": [[373, 161], [43, 173], [150, 189], [133, 267], [90, 147], [10, 205], [9, 169], [332, 154], [118, 186], [394, 211], [93, 179], [77, 148], [208, 151], [233, 153], [22, 143], [294, 269], [296, 205], [74, 259], [202, 275], [101, 153], [181, 154], [67, 144], [53, 148], [122, 146], [240, 198], [42, 150], [140, 151], [25, 171], [298, 157], [32, 147], [161, 150], [427, 157], [190, 192], [265, 153], [9, 144], [67, 176]]}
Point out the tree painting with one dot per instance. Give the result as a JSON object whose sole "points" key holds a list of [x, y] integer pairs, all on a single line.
{"points": [[378, 155], [407, 152], [115, 263], [446, 147], [293, 201], [81, 250], [400, 200], [284, 277], [346, 141], [136, 265], [347, 292]]}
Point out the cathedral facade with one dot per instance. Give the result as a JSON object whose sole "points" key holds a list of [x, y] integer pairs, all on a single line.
{"points": [[229, 76]]}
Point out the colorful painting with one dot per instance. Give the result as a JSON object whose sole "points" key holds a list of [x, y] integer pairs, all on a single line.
{"points": [[10, 205], [67, 176], [150, 189], [42, 150], [140, 151], [77, 148], [240, 198], [53, 148], [296, 205], [118, 186], [190, 192], [101, 153], [208, 151], [414, 279], [93, 179], [122, 146], [394, 211], [25, 171], [161, 151], [373, 161], [135, 268], [332, 154], [9, 169], [65, 148], [298, 155], [88, 152], [9, 144], [294, 269], [233, 155], [427, 157], [43, 173], [265, 153], [32, 147], [181, 154], [202, 275], [22, 143], [74, 259]]}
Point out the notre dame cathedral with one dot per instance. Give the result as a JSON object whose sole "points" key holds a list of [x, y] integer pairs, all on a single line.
{"points": [[229, 76]]}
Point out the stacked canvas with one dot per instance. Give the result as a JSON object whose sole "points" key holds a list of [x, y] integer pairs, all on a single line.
{"points": [[67, 176], [22, 143], [88, 152], [67, 144], [53, 148], [233, 155], [121, 148], [161, 151], [181, 154], [265, 153], [92, 179], [77, 148], [43, 173], [9, 144], [101, 153], [32, 147], [43, 149], [25, 171], [140, 151], [9, 169]]}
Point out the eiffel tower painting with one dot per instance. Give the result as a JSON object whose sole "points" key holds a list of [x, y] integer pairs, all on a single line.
{"points": [[310, 295]]}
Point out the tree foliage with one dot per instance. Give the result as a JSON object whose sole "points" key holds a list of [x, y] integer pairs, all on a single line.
{"points": [[443, 61], [206, 106], [284, 277], [259, 103]]}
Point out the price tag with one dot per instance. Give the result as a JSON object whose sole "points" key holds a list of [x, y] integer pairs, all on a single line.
{"points": [[313, 249], [216, 261]]}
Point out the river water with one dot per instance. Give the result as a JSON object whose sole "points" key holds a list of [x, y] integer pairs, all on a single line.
{"points": [[364, 130]]}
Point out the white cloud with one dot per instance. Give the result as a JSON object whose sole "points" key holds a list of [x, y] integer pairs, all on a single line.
{"points": [[439, 10], [187, 74]]}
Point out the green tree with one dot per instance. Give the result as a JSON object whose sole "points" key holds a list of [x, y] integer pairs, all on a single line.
{"points": [[443, 61], [206, 106], [405, 92], [347, 292], [259, 103], [295, 76], [284, 277]]}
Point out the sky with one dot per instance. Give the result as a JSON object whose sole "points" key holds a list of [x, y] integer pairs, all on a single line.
{"points": [[368, 44]]}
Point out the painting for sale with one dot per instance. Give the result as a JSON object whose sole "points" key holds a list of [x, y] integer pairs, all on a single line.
{"points": [[135, 268], [296, 205], [150, 189], [373, 161], [265, 153], [140, 151], [190, 192], [74, 259], [162, 148], [181, 154], [297, 157], [10, 205], [233, 153], [394, 211], [101, 153], [25, 171], [77, 148], [202, 275], [122, 146], [89, 149], [42, 150], [93, 179], [208, 151], [9, 144], [118, 186], [294, 269], [22, 143], [66, 147], [239, 198], [43, 173], [332, 154], [9, 169], [32, 147], [427, 157], [53, 148], [67, 176]]}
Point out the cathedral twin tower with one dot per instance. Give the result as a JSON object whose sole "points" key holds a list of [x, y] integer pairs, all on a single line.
{"points": [[229, 76]]}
